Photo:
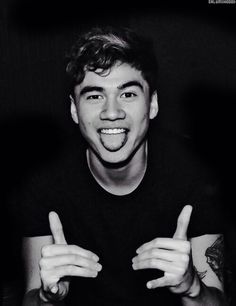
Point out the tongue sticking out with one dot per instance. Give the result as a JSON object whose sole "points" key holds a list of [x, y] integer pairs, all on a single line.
{"points": [[113, 142]]}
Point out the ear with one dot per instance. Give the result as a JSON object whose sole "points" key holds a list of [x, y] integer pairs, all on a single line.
{"points": [[73, 110], [153, 106]]}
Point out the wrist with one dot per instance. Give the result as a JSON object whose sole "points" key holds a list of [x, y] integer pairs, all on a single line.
{"points": [[195, 288], [57, 295], [48, 297]]}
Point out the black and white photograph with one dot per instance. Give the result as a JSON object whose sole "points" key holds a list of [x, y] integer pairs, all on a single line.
{"points": [[117, 153]]}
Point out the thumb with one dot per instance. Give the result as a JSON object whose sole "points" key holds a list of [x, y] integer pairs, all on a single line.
{"points": [[56, 228], [183, 222]]}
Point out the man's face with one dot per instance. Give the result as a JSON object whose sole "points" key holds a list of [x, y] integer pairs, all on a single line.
{"points": [[113, 111]]}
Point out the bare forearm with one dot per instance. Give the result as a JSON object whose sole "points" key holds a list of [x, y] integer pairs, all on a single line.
{"points": [[208, 296], [32, 298]]}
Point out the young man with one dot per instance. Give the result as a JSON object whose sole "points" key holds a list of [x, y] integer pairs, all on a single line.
{"points": [[125, 203]]}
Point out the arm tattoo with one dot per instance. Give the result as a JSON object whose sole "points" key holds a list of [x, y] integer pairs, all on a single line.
{"points": [[215, 257]]}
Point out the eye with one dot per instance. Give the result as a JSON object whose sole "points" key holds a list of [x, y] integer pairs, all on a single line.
{"points": [[128, 95], [94, 97]]}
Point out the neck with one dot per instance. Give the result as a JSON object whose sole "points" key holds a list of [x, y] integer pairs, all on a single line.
{"points": [[119, 179]]}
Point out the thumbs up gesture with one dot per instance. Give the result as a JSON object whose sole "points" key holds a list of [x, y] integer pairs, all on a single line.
{"points": [[60, 260], [173, 257]]}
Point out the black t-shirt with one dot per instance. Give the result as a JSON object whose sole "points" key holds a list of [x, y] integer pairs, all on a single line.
{"points": [[112, 226]]}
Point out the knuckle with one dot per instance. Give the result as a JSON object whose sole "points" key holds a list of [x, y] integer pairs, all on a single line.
{"points": [[181, 270], [89, 264], [72, 249], [42, 263], [177, 280], [156, 241], [83, 262], [48, 277], [43, 276], [90, 254], [185, 258], [187, 247], [45, 250]]}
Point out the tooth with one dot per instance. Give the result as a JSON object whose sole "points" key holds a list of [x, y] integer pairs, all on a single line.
{"points": [[113, 131]]}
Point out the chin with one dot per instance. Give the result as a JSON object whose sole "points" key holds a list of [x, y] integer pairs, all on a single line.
{"points": [[114, 158]]}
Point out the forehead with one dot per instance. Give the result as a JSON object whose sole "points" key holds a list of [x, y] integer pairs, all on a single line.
{"points": [[116, 76]]}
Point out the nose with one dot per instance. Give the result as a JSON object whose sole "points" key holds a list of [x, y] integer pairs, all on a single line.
{"points": [[112, 111]]}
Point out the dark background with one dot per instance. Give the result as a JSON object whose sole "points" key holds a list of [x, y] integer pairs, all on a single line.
{"points": [[196, 50]]}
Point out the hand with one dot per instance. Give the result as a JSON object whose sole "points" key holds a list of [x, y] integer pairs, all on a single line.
{"points": [[173, 256], [60, 260]]}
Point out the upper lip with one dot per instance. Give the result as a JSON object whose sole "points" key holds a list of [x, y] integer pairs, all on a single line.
{"points": [[112, 128]]}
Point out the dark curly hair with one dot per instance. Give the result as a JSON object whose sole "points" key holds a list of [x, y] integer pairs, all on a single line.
{"points": [[101, 48]]}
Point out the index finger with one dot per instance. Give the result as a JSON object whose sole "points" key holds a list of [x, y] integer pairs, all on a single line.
{"points": [[62, 249], [164, 243], [56, 228]]}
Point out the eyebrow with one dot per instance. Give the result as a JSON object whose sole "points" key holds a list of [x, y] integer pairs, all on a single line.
{"points": [[91, 88], [131, 83], [101, 89]]}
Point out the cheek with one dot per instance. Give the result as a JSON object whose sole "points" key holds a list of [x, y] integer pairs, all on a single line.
{"points": [[145, 118], [84, 126], [85, 121], [140, 114], [146, 112]]}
